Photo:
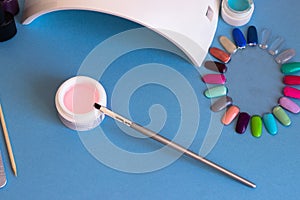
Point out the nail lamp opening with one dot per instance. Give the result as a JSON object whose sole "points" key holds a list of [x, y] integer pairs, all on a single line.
{"points": [[189, 25], [75, 100]]}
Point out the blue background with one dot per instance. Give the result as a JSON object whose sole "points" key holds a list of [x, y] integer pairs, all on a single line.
{"points": [[53, 163]]}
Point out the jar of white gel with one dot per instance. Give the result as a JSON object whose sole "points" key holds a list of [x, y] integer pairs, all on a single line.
{"points": [[75, 101], [237, 12]]}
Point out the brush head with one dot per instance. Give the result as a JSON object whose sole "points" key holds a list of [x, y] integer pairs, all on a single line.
{"points": [[97, 106]]}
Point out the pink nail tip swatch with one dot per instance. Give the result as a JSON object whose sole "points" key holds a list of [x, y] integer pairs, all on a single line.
{"points": [[291, 80], [289, 105], [291, 92], [214, 78]]}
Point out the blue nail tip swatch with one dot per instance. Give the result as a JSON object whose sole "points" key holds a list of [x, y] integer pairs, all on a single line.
{"points": [[239, 38], [252, 38], [270, 123]]}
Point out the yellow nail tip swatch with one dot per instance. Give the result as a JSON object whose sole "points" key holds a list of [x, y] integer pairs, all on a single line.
{"points": [[281, 116]]}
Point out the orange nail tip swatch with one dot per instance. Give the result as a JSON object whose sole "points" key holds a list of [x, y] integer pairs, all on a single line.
{"points": [[230, 114], [219, 54]]}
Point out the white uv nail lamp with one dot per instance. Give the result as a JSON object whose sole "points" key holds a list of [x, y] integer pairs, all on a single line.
{"points": [[190, 24]]}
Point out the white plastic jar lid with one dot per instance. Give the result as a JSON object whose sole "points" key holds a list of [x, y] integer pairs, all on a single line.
{"points": [[237, 12], [75, 100]]}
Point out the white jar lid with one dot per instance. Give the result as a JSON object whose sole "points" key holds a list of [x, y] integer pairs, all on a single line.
{"points": [[237, 12]]}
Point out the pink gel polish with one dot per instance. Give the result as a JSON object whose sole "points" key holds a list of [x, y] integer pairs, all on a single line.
{"points": [[289, 105], [80, 98], [291, 92], [214, 78]]}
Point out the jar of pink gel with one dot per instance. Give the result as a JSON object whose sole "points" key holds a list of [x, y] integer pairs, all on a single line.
{"points": [[75, 101]]}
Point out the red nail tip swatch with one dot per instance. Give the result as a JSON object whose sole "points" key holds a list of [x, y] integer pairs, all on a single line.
{"points": [[291, 80]]}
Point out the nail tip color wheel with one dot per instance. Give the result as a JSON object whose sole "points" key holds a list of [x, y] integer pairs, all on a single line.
{"points": [[285, 103]]}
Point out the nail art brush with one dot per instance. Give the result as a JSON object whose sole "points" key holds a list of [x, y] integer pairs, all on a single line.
{"points": [[155, 136]]}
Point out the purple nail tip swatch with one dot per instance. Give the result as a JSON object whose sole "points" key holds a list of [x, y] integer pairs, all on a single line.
{"points": [[242, 122]]}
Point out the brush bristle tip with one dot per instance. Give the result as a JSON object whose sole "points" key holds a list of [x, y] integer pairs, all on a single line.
{"points": [[97, 106]]}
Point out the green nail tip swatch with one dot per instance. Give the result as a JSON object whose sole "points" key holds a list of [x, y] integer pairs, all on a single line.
{"points": [[290, 68], [281, 116], [217, 91], [256, 126]]}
